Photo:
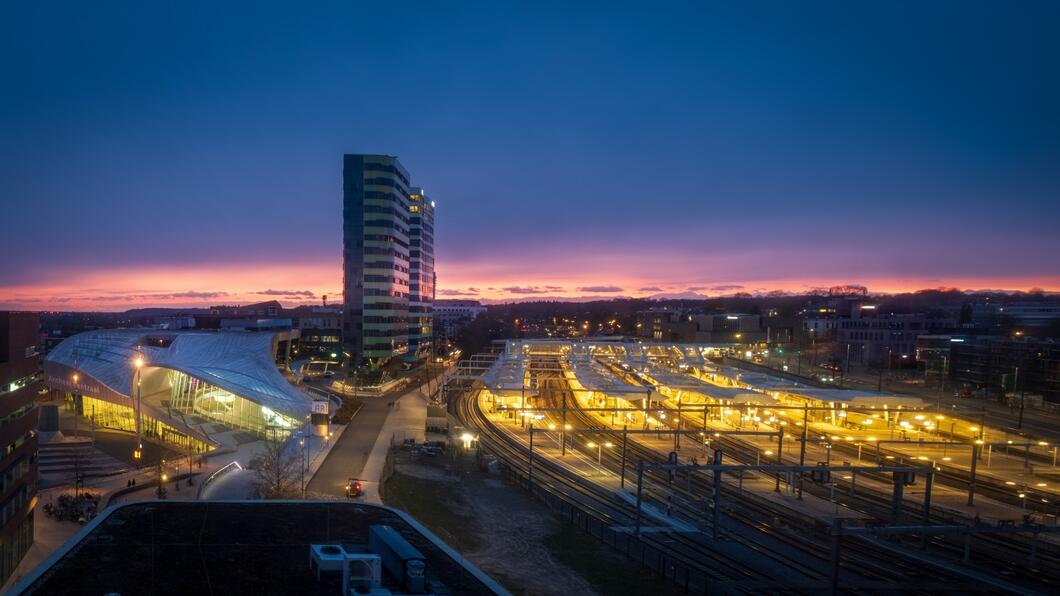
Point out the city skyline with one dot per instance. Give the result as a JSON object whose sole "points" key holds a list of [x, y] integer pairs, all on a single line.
{"points": [[609, 150]]}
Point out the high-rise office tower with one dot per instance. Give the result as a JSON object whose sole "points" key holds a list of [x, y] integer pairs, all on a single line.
{"points": [[421, 277], [19, 384], [375, 218]]}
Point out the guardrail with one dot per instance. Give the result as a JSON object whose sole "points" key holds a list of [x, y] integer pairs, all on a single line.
{"points": [[233, 465]]}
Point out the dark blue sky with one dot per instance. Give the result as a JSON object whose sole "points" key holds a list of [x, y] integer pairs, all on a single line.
{"points": [[571, 145]]}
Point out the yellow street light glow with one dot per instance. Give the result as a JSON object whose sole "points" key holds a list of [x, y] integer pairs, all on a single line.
{"points": [[1022, 495], [973, 428], [551, 427], [947, 458], [872, 438], [850, 438], [1041, 484], [922, 458], [1010, 483], [768, 452], [1043, 443], [139, 362], [919, 416], [979, 441], [567, 427], [608, 444], [467, 437], [591, 444]]}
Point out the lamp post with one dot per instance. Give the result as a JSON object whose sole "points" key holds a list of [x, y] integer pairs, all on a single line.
{"points": [[599, 451], [76, 413], [139, 363], [301, 461]]}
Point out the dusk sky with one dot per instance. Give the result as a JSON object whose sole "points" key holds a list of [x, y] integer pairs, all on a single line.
{"points": [[192, 155]]}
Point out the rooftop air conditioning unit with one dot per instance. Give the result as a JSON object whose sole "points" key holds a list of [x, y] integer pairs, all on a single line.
{"points": [[362, 573]]}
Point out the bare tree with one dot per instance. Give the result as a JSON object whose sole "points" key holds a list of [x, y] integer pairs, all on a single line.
{"points": [[276, 471]]}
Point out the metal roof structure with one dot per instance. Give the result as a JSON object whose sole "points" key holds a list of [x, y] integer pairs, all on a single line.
{"points": [[853, 397], [240, 362], [620, 347], [766, 383], [685, 382], [594, 376], [506, 374]]}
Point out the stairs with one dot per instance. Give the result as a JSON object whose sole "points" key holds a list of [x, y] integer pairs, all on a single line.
{"points": [[59, 461]]}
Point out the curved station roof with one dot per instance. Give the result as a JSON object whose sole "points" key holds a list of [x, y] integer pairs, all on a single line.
{"points": [[239, 362]]}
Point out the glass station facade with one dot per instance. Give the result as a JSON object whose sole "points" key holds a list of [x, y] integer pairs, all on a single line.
{"points": [[105, 414], [190, 395]]}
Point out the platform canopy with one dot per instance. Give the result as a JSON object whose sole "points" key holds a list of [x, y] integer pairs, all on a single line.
{"points": [[853, 397], [683, 382], [507, 375]]}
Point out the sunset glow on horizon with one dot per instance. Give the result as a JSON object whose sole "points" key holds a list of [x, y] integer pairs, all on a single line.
{"points": [[294, 284]]}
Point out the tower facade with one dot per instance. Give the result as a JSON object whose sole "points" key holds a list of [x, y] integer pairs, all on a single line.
{"points": [[421, 278], [375, 216]]}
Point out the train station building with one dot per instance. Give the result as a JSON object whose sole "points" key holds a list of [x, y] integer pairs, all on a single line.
{"points": [[186, 385]]}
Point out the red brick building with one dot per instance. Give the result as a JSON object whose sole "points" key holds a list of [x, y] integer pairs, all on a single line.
{"points": [[19, 382]]}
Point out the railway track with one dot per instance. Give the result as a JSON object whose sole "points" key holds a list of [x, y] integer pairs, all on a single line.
{"points": [[989, 548], [800, 533]]}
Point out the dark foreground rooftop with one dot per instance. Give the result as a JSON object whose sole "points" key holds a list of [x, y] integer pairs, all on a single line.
{"points": [[228, 547]]}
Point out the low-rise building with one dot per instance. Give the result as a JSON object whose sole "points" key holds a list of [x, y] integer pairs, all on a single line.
{"points": [[880, 339], [1007, 365], [451, 315], [321, 330]]}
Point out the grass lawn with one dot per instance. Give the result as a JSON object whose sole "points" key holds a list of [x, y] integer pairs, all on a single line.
{"points": [[608, 571], [349, 407], [420, 499]]}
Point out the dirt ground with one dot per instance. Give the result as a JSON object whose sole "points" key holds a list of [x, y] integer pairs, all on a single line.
{"points": [[514, 539]]}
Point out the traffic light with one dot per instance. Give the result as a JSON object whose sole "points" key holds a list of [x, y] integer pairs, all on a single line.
{"points": [[137, 453]]}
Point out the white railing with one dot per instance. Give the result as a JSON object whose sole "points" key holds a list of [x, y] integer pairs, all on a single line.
{"points": [[233, 465]]}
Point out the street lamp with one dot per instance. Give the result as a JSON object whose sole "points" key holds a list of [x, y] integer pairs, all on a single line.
{"points": [[599, 451], [139, 364], [301, 461]]}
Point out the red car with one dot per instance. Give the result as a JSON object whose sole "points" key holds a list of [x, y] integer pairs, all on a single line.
{"points": [[354, 488]]}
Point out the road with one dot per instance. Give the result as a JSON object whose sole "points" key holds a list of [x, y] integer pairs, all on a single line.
{"points": [[347, 458]]}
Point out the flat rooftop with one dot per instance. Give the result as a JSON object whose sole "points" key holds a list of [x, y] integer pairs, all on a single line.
{"points": [[231, 547]]}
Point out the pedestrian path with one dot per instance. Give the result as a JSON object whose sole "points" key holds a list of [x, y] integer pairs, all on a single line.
{"points": [[407, 419]]}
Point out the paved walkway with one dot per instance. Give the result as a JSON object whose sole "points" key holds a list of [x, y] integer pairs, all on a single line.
{"points": [[407, 420]]}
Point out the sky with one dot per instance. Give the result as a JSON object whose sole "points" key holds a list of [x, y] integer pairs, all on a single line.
{"points": [[190, 153]]}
